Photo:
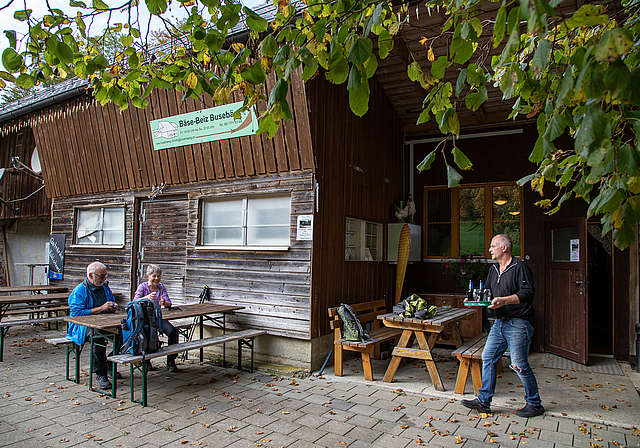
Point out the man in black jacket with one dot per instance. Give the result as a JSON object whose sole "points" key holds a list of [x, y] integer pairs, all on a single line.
{"points": [[511, 284]]}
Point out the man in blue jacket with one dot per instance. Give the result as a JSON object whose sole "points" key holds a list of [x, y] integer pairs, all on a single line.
{"points": [[511, 284], [93, 296]]}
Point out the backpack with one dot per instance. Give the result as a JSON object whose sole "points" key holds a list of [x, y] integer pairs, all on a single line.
{"points": [[141, 327], [352, 328], [416, 307]]}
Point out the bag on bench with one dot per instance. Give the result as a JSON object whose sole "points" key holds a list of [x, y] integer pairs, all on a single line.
{"points": [[141, 327], [352, 327]]}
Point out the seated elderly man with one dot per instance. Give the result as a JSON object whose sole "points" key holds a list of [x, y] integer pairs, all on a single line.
{"points": [[93, 296]]}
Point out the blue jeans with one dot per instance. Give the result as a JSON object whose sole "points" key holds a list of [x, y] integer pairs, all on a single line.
{"points": [[514, 334]]}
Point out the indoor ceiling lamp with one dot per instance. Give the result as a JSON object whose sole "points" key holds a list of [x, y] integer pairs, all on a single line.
{"points": [[500, 202], [514, 213]]}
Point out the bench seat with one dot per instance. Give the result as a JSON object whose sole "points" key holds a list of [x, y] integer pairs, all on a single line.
{"points": [[51, 309], [244, 337], [70, 346], [470, 357], [6, 324], [367, 312]]}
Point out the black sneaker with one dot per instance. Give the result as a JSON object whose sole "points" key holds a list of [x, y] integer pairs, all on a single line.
{"points": [[172, 368], [118, 375], [103, 382], [475, 404], [530, 411]]}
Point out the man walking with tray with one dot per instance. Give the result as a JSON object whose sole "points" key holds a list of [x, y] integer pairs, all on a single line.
{"points": [[511, 284]]}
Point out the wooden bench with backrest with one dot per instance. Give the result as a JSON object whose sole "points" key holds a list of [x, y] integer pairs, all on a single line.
{"points": [[470, 357], [6, 324], [367, 312], [244, 338]]}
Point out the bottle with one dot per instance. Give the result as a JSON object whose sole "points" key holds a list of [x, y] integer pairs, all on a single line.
{"points": [[470, 292], [481, 285]]}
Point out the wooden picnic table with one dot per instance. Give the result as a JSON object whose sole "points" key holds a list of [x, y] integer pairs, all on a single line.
{"points": [[109, 323], [32, 302], [36, 289], [427, 332]]}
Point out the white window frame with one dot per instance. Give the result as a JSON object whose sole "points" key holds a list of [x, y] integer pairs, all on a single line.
{"points": [[361, 247], [100, 228], [246, 199]]}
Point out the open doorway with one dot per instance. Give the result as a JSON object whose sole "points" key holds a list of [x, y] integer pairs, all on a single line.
{"points": [[600, 273]]}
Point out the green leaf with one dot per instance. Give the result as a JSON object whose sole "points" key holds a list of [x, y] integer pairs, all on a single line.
{"points": [[453, 177], [541, 57], [254, 21], [355, 79], [631, 210], [11, 36], [624, 236], [443, 119], [628, 160], [156, 6], [591, 129], [64, 53], [11, 60], [133, 76], [254, 74], [462, 49], [439, 66], [385, 44], [474, 100], [268, 47], [360, 51], [310, 64], [587, 15], [267, 124], [524, 180], [614, 44], [22, 15], [339, 72], [427, 161], [424, 116], [499, 26], [99, 5], [616, 78], [460, 83], [555, 127], [359, 99], [461, 159], [279, 92]]}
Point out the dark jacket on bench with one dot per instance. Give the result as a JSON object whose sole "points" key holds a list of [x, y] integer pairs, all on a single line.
{"points": [[517, 279]]}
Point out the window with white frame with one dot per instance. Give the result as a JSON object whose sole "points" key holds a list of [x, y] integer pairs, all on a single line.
{"points": [[252, 221], [101, 226], [363, 240]]}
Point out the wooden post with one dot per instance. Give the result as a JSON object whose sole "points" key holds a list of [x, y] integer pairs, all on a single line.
{"points": [[6, 257]]}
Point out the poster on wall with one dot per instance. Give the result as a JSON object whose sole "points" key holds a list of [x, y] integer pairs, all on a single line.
{"points": [[56, 255], [305, 227], [575, 249]]}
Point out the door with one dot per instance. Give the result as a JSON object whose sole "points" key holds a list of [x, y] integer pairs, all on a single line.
{"points": [[566, 320], [163, 241]]}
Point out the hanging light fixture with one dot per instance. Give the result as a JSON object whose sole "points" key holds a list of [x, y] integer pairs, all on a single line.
{"points": [[500, 202]]}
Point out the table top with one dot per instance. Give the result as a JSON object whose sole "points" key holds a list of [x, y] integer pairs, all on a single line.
{"points": [[112, 320], [443, 317], [32, 298], [33, 288]]}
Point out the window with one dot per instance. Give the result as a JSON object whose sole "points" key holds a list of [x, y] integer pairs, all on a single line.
{"points": [[363, 240], [101, 226], [246, 221], [463, 220]]}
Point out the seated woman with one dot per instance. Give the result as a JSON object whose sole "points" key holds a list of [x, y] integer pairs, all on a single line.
{"points": [[154, 290]]}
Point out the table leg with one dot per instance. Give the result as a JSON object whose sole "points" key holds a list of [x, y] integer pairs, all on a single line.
{"points": [[396, 358], [91, 362], [201, 337], [428, 358], [456, 334]]}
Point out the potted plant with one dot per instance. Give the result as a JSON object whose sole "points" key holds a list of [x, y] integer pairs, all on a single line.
{"points": [[472, 267]]}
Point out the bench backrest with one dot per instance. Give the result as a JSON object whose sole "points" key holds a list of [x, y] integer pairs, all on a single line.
{"points": [[367, 312]]}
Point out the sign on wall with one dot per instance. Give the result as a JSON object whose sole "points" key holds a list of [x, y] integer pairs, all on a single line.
{"points": [[56, 255], [216, 123]]}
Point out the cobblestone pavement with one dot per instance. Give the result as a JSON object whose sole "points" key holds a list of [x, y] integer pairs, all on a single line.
{"points": [[211, 406]]}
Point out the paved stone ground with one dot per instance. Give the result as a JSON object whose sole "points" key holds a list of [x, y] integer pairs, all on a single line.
{"points": [[205, 405]]}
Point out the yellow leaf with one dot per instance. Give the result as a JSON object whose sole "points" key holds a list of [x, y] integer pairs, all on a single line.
{"points": [[423, 40], [192, 80], [458, 440], [430, 55]]}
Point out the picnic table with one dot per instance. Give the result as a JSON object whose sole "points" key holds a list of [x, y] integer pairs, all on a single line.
{"points": [[109, 324], [34, 289], [426, 332]]}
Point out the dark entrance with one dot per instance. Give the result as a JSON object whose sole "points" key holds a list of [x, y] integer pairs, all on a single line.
{"points": [[599, 264]]}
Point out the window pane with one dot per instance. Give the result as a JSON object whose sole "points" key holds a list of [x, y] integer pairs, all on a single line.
{"points": [[222, 221], [439, 240], [562, 241], [350, 240], [88, 226], [268, 220], [506, 214], [472, 221], [439, 203], [222, 235], [100, 226]]}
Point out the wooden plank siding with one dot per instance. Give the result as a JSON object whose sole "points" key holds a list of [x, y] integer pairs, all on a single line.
{"points": [[359, 175], [111, 149], [273, 286]]}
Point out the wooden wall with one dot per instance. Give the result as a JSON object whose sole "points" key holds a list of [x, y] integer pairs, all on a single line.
{"points": [[273, 286], [111, 150], [359, 175]]}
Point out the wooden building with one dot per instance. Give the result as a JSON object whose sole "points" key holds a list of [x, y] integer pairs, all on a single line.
{"points": [[161, 206]]}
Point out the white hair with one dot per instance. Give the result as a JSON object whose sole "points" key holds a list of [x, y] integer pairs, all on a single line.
{"points": [[93, 267], [153, 269]]}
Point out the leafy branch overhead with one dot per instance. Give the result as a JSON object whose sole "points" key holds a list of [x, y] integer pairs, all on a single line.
{"points": [[576, 72]]}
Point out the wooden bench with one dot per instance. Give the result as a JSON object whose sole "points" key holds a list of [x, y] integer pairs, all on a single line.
{"points": [[470, 357], [38, 310], [244, 337], [70, 346], [367, 312], [6, 324]]}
